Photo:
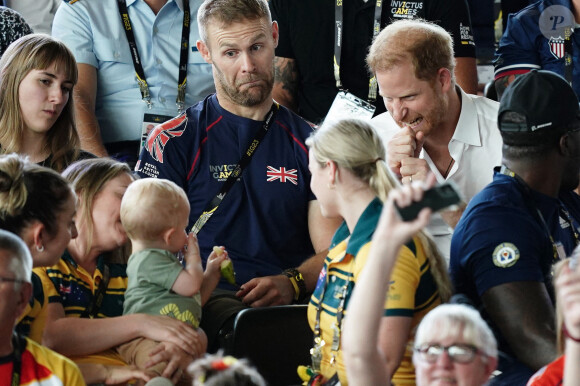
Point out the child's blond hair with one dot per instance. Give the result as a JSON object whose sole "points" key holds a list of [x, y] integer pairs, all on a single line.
{"points": [[150, 206]]}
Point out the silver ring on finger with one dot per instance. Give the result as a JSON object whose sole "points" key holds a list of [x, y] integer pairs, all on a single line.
{"points": [[410, 179]]}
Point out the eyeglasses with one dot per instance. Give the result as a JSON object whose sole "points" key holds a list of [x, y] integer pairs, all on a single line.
{"points": [[10, 280], [460, 353]]}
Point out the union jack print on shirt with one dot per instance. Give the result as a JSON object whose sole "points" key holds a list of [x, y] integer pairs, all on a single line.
{"points": [[162, 133], [282, 174]]}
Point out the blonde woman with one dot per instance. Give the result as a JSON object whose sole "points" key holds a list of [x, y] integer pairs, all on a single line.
{"points": [[351, 180], [37, 77]]}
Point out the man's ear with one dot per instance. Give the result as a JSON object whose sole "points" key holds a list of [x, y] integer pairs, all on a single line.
{"points": [[444, 79], [204, 51], [275, 33], [569, 147]]}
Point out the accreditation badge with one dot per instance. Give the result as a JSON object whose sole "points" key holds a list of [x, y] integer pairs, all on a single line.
{"points": [[149, 122], [347, 105]]}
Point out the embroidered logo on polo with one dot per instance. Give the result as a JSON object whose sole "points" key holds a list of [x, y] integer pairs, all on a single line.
{"points": [[563, 223], [221, 172], [161, 134], [406, 9], [320, 281], [505, 255], [64, 290], [282, 174], [557, 47]]}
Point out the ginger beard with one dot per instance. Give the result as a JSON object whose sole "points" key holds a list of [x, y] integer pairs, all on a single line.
{"points": [[249, 91], [431, 119]]}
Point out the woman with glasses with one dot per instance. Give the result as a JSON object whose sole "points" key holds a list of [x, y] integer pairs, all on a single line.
{"points": [[452, 344]]}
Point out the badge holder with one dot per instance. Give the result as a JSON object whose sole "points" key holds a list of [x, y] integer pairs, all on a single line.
{"points": [[347, 105]]}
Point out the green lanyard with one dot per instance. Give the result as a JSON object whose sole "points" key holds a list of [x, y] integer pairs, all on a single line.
{"points": [[319, 343]]}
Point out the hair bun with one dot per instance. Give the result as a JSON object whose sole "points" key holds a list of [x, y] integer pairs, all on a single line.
{"points": [[13, 192]]}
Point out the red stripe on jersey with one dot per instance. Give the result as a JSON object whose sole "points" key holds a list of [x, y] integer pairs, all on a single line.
{"points": [[199, 149], [512, 72], [294, 138]]}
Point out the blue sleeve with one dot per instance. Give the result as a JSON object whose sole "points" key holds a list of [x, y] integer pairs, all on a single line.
{"points": [[71, 24], [497, 245], [517, 52]]}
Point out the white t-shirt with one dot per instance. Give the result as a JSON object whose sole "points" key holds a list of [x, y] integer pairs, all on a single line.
{"points": [[476, 147]]}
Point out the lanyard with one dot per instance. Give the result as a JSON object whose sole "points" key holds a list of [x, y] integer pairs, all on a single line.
{"points": [[316, 352], [568, 50], [17, 362], [211, 208], [97, 300], [338, 32], [532, 206], [184, 46]]}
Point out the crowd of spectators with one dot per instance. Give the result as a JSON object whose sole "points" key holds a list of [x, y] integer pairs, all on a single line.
{"points": [[149, 146]]}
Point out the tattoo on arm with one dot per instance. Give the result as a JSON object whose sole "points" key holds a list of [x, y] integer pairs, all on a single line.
{"points": [[286, 80]]}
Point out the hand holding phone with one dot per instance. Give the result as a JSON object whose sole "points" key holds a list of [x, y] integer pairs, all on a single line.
{"points": [[437, 198]]}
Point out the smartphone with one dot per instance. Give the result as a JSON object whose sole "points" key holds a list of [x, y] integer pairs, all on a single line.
{"points": [[438, 197]]}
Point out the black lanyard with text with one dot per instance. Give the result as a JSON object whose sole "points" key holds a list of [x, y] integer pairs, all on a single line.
{"points": [[568, 51], [532, 206], [97, 300], [17, 362], [211, 208], [184, 49], [338, 33]]}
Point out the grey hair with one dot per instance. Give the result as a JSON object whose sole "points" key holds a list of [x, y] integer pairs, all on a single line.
{"points": [[456, 320], [20, 259]]}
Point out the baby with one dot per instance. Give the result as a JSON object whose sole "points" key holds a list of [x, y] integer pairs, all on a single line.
{"points": [[155, 213]]}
